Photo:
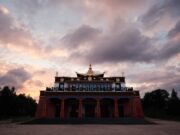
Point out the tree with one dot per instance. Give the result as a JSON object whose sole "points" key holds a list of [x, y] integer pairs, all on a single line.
{"points": [[174, 104], [15, 105], [7, 101], [158, 104], [156, 99], [174, 95]]}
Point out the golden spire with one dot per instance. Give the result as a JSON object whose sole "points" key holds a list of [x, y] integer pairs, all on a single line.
{"points": [[90, 72], [90, 66]]}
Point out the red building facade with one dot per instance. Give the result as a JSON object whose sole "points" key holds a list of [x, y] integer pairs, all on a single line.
{"points": [[89, 95]]}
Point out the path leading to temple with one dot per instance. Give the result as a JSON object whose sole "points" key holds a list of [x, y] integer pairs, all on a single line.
{"points": [[160, 128]]}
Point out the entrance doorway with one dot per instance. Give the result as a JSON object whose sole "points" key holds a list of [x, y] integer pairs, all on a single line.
{"points": [[89, 107], [55, 107], [107, 108], [57, 110], [122, 103], [121, 111], [71, 108]]}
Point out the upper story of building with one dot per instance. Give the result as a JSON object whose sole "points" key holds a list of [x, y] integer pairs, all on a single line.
{"points": [[90, 81]]}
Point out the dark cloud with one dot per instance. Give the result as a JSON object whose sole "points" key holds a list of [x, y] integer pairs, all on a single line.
{"points": [[129, 45], [81, 35], [172, 83], [15, 77], [170, 49], [175, 31], [159, 9], [132, 47]]}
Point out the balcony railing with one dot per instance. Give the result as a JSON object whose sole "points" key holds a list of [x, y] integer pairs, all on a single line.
{"points": [[90, 90]]}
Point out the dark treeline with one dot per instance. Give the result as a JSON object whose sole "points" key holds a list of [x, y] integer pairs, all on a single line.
{"points": [[160, 104], [12, 105]]}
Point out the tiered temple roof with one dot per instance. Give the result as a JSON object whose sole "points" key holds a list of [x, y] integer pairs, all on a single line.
{"points": [[91, 73]]}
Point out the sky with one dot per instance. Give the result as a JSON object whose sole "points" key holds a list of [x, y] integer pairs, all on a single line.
{"points": [[41, 37]]}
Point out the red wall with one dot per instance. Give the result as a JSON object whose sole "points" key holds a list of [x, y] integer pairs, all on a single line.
{"points": [[132, 108]]}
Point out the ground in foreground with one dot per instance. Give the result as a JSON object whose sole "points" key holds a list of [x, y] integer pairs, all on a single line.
{"points": [[160, 128]]}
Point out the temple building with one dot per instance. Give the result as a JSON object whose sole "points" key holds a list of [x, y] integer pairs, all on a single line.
{"points": [[91, 95]]}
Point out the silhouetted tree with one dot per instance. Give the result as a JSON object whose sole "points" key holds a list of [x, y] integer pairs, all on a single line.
{"points": [[174, 104], [15, 105], [156, 99], [158, 104], [174, 95]]}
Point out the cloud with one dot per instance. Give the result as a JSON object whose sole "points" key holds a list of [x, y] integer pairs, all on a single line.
{"points": [[34, 83], [153, 76], [26, 79], [104, 32], [11, 31], [170, 49], [116, 7], [161, 9], [129, 45], [15, 77], [104, 13], [81, 35], [156, 78], [175, 31], [14, 35], [38, 5]]}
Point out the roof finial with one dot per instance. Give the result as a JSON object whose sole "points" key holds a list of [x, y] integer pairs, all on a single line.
{"points": [[90, 66]]}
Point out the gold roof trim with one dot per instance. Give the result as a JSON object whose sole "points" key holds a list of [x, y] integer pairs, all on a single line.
{"points": [[90, 72]]}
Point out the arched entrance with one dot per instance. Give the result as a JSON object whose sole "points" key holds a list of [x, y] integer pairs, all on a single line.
{"points": [[107, 107], [55, 107], [89, 107], [122, 103], [71, 108]]}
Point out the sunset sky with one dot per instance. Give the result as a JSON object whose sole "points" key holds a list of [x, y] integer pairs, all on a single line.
{"points": [[138, 37]]}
